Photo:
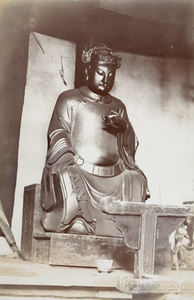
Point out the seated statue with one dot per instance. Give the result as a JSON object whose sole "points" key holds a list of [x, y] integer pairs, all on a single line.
{"points": [[182, 244], [91, 153]]}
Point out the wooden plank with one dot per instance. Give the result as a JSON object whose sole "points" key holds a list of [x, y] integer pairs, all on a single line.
{"points": [[130, 226], [76, 250], [169, 296], [160, 285], [60, 293], [79, 250], [132, 208], [144, 262], [31, 226], [28, 221]]}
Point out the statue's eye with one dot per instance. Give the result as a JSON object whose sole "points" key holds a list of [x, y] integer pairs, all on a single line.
{"points": [[99, 72]]}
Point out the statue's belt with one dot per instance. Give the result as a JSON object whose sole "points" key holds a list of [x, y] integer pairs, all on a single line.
{"points": [[103, 171]]}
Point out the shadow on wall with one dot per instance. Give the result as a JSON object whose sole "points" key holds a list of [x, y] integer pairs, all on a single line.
{"points": [[178, 73], [188, 90], [149, 28]]}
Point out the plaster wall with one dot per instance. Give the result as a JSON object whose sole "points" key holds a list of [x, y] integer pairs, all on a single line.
{"points": [[159, 95]]}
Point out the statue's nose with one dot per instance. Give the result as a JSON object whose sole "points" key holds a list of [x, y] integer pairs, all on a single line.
{"points": [[105, 79]]}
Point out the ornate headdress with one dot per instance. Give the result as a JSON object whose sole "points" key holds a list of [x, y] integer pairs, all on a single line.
{"points": [[103, 55]]}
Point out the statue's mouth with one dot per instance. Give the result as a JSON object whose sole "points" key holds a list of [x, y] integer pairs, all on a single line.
{"points": [[103, 85]]}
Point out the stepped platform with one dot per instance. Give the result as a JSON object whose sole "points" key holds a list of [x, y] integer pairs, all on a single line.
{"points": [[26, 280]]}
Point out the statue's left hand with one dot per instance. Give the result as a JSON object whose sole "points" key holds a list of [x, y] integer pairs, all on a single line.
{"points": [[114, 124]]}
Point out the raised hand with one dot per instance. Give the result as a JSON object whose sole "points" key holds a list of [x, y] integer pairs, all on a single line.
{"points": [[114, 123]]}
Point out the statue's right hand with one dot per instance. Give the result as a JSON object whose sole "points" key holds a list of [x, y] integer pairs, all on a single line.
{"points": [[65, 160]]}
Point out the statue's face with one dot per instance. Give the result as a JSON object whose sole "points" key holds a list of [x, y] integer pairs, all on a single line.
{"points": [[101, 78]]}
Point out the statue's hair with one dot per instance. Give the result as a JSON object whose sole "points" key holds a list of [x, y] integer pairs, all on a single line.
{"points": [[103, 55]]}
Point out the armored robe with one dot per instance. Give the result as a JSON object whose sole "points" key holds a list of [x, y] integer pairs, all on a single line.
{"points": [[87, 163]]}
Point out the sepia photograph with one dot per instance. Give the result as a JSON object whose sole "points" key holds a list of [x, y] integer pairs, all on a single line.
{"points": [[97, 149]]}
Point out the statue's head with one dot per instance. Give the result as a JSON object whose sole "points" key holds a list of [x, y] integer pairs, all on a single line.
{"points": [[101, 64]]}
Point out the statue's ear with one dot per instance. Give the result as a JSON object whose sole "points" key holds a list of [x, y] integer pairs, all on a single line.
{"points": [[86, 72]]}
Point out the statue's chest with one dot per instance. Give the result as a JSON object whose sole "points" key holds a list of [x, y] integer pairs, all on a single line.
{"points": [[88, 136], [88, 118]]}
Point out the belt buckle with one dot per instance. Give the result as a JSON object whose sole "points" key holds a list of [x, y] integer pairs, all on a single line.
{"points": [[121, 165], [79, 161]]}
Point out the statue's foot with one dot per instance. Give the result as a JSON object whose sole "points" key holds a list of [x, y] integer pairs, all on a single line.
{"points": [[80, 226]]}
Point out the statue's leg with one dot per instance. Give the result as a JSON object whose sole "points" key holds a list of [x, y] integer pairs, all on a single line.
{"points": [[83, 222], [73, 221], [100, 188], [70, 206], [64, 203]]}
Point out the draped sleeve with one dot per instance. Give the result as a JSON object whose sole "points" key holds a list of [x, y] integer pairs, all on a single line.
{"points": [[59, 132], [128, 143], [60, 151]]}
